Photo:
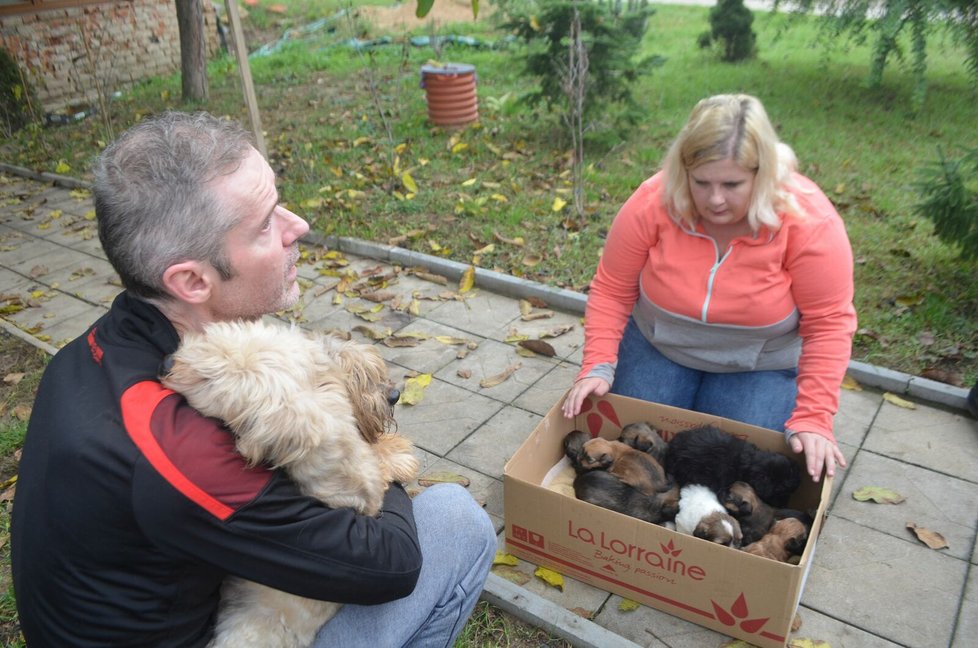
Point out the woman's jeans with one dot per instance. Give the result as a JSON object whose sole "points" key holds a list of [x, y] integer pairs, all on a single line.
{"points": [[763, 398]]}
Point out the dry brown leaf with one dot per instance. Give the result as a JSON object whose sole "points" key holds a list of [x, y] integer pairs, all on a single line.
{"points": [[13, 378], [542, 314], [444, 478], [8, 494], [462, 354], [945, 376], [434, 278], [805, 642], [512, 574], [370, 333], [932, 539], [796, 623], [464, 373], [556, 331], [451, 340], [401, 341], [583, 613], [22, 412], [378, 296], [499, 378], [538, 346], [525, 307], [38, 271]]}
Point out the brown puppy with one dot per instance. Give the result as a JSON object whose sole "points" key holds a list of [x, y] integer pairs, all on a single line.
{"points": [[755, 516], [645, 438], [785, 539], [633, 467]]}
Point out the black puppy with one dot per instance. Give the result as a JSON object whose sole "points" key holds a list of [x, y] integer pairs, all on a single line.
{"points": [[574, 448], [709, 456], [601, 488]]}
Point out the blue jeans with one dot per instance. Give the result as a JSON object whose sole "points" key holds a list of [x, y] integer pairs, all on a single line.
{"points": [[458, 544], [763, 398]]}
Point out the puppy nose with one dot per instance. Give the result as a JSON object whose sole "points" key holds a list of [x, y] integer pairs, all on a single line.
{"points": [[167, 365], [393, 396]]}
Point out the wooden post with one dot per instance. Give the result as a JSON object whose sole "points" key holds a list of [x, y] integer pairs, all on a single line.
{"points": [[241, 54]]}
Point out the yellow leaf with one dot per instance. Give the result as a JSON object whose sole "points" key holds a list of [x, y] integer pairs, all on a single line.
{"points": [[805, 642], [550, 577], [534, 23], [467, 281], [877, 494], [469, 182], [435, 247], [458, 148], [414, 389], [899, 402], [361, 140], [559, 203], [80, 194], [448, 339], [498, 197], [628, 605], [56, 213], [414, 308], [851, 384], [503, 558], [513, 338], [90, 215], [400, 148], [312, 203], [409, 183], [531, 260], [486, 249], [525, 307]]}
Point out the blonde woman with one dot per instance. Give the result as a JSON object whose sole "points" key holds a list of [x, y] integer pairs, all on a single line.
{"points": [[726, 287]]}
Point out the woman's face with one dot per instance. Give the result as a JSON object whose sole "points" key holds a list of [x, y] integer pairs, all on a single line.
{"points": [[721, 191]]}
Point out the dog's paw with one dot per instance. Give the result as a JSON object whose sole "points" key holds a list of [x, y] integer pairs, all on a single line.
{"points": [[397, 458]]}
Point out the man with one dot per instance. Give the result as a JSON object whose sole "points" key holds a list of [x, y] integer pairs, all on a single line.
{"points": [[131, 508]]}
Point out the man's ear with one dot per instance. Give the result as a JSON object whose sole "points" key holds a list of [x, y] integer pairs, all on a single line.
{"points": [[189, 281]]}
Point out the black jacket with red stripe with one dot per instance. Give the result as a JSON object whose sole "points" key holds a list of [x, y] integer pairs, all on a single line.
{"points": [[131, 508]]}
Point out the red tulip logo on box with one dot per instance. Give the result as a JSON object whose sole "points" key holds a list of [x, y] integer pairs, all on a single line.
{"points": [[738, 611], [669, 548], [596, 419]]}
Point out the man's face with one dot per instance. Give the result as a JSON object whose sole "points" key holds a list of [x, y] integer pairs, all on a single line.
{"points": [[262, 248]]}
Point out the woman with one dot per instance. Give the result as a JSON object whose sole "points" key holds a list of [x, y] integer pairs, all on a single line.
{"points": [[726, 287]]}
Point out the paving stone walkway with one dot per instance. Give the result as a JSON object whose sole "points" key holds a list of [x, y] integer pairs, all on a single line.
{"points": [[872, 583]]}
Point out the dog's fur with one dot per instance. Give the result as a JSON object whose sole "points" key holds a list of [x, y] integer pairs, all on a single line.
{"points": [[711, 457], [755, 516], [316, 406], [635, 468], [645, 438], [574, 448], [601, 488], [785, 539], [701, 515]]}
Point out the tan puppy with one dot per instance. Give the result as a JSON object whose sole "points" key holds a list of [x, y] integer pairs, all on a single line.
{"points": [[635, 468], [646, 438], [315, 406], [754, 515], [785, 539]]}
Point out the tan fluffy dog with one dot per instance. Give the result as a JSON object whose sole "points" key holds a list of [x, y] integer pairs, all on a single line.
{"points": [[634, 467], [316, 406], [785, 539]]}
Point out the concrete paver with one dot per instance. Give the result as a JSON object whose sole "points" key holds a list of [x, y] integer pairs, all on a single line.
{"points": [[872, 584]]}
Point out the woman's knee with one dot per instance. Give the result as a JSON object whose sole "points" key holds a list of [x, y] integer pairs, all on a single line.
{"points": [[451, 506]]}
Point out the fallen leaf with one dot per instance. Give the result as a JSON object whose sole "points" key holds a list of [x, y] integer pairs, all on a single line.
{"points": [[499, 378], [531, 260], [628, 605], [899, 402], [877, 494], [539, 347], [434, 278], [512, 574], [444, 478], [464, 374], [542, 314], [804, 642], [370, 333], [38, 271], [414, 389], [932, 539], [503, 558], [943, 375], [796, 623], [467, 281], [448, 339], [556, 331], [378, 296], [558, 204], [583, 613], [525, 307], [409, 182], [851, 383], [22, 412], [550, 577], [62, 167], [401, 341], [515, 337], [13, 378]]}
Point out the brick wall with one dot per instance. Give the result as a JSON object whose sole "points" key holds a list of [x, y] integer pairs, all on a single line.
{"points": [[69, 53]]}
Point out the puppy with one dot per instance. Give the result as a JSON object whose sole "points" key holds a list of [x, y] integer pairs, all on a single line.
{"points": [[709, 456], [701, 515], [316, 406], [602, 488], [574, 448], [633, 467], [785, 539], [754, 515], [645, 438]]}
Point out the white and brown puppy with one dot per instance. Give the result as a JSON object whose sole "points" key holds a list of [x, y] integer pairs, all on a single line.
{"points": [[635, 468], [701, 515], [316, 406], [785, 539]]}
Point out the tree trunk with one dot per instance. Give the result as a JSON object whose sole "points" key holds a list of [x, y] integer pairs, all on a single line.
{"points": [[193, 50]]}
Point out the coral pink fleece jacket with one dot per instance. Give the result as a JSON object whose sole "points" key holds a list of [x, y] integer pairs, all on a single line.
{"points": [[775, 300]]}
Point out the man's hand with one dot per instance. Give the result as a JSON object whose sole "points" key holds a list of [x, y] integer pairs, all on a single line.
{"points": [[819, 453], [581, 390]]}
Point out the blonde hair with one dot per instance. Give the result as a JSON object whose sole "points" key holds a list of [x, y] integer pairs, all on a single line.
{"points": [[732, 127]]}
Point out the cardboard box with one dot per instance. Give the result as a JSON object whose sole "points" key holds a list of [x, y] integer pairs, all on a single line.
{"points": [[724, 589]]}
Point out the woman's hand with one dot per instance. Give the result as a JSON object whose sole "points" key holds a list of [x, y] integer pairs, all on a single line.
{"points": [[819, 453], [581, 390]]}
